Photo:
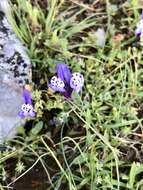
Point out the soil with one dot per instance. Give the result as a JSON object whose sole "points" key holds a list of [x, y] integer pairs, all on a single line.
{"points": [[35, 179]]}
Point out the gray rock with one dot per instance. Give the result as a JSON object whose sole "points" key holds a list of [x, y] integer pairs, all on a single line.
{"points": [[15, 72]]}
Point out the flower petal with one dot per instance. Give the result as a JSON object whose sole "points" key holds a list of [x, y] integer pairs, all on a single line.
{"points": [[57, 84], [21, 114], [64, 72], [139, 27], [77, 82], [32, 113], [27, 97], [26, 111]]}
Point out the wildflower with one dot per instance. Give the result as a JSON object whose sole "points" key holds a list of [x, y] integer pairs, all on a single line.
{"points": [[66, 82], [27, 109], [139, 27]]}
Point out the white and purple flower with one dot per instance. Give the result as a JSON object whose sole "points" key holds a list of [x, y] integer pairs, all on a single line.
{"points": [[139, 27], [66, 82], [27, 109], [77, 82]]}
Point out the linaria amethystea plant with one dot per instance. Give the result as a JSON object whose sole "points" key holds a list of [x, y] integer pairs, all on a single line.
{"points": [[27, 108], [65, 82], [139, 27]]}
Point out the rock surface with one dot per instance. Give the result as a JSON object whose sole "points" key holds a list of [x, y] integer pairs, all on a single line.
{"points": [[15, 72]]}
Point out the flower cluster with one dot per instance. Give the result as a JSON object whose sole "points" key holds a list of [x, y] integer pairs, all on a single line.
{"points": [[27, 109], [139, 26], [65, 82]]}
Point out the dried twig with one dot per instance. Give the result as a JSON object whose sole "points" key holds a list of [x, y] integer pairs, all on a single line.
{"points": [[82, 5]]}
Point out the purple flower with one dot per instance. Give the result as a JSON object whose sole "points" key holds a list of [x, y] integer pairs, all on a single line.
{"points": [[65, 82], [27, 97], [64, 72], [139, 27], [27, 109]]}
